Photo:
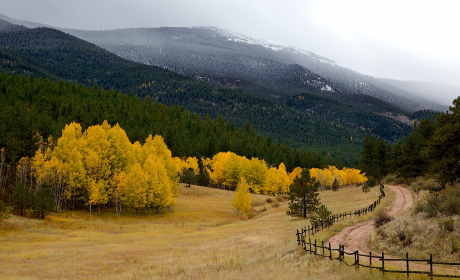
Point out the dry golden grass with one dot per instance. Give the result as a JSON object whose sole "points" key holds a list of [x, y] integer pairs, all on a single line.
{"points": [[201, 239]]}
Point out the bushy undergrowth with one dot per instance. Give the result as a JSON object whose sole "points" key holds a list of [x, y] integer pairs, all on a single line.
{"points": [[446, 202], [381, 218], [420, 236], [432, 228]]}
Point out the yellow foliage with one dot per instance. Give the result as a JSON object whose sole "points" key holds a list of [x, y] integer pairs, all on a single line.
{"points": [[296, 173], [242, 199], [255, 172], [346, 176], [102, 164]]}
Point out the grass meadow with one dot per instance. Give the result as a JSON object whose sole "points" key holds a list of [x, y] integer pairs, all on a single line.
{"points": [[201, 239]]}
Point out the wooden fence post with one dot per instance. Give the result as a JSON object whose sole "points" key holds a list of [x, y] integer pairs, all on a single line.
{"points": [[407, 264], [370, 260], [315, 246], [309, 241], [431, 266], [322, 245], [330, 251], [340, 252], [356, 259], [383, 263]]}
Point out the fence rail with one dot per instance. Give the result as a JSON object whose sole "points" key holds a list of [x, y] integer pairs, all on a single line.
{"points": [[357, 259], [314, 228]]}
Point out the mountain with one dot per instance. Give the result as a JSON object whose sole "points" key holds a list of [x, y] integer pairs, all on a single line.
{"points": [[302, 120], [241, 62]]}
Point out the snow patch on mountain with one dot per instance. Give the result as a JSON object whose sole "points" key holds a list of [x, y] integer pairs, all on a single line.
{"points": [[275, 46]]}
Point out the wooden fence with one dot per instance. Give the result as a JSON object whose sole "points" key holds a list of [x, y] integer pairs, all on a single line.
{"points": [[312, 228], [371, 261]]}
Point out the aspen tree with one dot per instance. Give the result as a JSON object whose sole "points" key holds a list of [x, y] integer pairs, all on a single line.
{"points": [[295, 173], [136, 188], [158, 191], [242, 199], [255, 172]]}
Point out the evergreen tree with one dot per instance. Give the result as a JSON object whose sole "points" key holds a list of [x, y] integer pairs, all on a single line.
{"points": [[303, 195], [43, 201], [443, 147], [321, 216], [374, 157], [188, 175], [335, 186], [22, 198]]}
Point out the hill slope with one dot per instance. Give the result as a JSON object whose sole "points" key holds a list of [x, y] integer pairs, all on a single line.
{"points": [[50, 53], [239, 61]]}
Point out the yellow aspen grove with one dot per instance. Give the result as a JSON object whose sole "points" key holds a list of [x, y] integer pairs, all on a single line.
{"points": [[156, 146], [158, 192], [100, 165], [136, 188], [184, 165], [117, 190], [277, 180], [242, 199], [180, 164], [345, 176], [121, 153], [295, 173], [232, 170], [98, 194], [255, 172], [283, 179], [216, 173], [192, 162]]}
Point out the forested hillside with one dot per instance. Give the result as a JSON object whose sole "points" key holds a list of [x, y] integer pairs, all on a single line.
{"points": [[32, 108], [50, 53], [238, 61], [431, 149]]}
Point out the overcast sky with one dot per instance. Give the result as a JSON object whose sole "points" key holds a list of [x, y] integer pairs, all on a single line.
{"points": [[399, 39]]}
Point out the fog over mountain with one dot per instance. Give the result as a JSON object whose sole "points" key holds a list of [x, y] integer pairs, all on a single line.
{"points": [[242, 62]]}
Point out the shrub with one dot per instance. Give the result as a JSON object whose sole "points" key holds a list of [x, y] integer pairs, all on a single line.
{"points": [[416, 187], [428, 184], [258, 202], [390, 178], [269, 200], [454, 243], [447, 224], [450, 202], [276, 204], [321, 216], [371, 182], [282, 198], [431, 205], [382, 218]]}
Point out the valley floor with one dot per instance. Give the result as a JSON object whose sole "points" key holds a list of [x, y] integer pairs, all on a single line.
{"points": [[201, 239]]}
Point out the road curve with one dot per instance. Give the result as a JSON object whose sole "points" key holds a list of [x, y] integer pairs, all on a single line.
{"points": [[354, 237]]}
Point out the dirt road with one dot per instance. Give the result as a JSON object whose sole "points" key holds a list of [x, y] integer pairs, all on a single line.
{"points": [[354, 237]]}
